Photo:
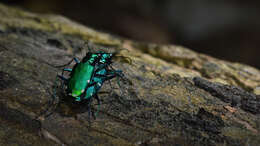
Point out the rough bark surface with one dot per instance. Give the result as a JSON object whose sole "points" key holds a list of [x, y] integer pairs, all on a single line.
{"points": [[172, 97]]}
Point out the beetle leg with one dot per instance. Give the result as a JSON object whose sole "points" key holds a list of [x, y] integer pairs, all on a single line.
{"points": [[98, 101], [97, 98], [109, 75], [90, 113], [62, 77], [111, 88], [116, 73], [66, 69], [75, 59]]}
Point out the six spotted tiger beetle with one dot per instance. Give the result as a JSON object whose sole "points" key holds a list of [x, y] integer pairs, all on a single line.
{"points": [[87, 77]]}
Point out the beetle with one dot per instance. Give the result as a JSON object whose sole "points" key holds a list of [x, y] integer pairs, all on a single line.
{"points": [[87, 77]]}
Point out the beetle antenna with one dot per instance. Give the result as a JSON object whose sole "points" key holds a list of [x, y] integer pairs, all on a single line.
{"points": [[87, 43], [88, 47]]}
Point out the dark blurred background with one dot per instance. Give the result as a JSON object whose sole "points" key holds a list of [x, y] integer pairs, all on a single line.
{"points": [[227, 29]]}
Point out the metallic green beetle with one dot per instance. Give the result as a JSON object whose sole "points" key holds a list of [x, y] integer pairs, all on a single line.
{"points": [[87, 77]]}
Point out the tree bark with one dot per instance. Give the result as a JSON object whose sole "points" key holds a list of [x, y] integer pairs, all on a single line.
{"points": [[171, 98]]}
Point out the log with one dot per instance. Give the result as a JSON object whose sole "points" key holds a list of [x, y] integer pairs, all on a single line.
{"points": [[173, 95]]}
